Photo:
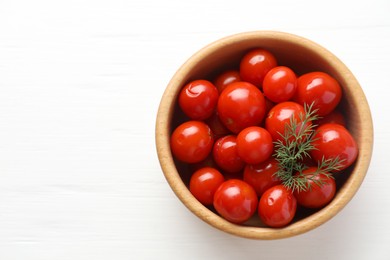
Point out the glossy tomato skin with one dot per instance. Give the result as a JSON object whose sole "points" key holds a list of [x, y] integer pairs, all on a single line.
{"points": [[320, 88], [334, 140], [216, 126], [255, 65], [268, 106], [226, 156], [241, 105], [262, 176], [225, 78], [335, 117], [235, 200], [316, 196], [198, 99], [277, 206], [192, 141], [280, 115], [254, 145], [204, 183], [280, 84]]}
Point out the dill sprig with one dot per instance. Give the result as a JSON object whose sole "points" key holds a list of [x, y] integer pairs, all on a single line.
{"points": [[294, 146]]}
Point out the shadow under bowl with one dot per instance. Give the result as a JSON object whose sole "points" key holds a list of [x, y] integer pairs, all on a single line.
{"points": [[300, 54]]}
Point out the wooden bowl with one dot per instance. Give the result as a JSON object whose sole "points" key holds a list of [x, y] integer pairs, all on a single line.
{"points": [[302, 56]]}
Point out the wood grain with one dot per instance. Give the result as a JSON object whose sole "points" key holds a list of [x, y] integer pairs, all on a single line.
{"points": [[301, 55]]}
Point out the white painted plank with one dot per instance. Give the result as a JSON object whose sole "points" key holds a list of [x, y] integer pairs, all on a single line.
{"points": [[80, 83]]}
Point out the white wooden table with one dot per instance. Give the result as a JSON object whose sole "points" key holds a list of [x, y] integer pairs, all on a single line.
{"points": [[80, 83]]}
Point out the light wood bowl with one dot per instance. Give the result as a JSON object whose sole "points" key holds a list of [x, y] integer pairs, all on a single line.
{"points": [[303, 56]]}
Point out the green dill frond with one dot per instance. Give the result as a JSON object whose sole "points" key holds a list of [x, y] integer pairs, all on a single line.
{"points": [[294, 146]]}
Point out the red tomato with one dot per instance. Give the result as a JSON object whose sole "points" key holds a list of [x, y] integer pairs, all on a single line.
{"points": [[268, 105], [280, 115], [255, 64], [320, 88], [254, 145], [240, 105], [225, 78], [316, 196], [203, 184], [277, 206], [226, 156], [216, 126], [261, 176], [235, 200], [335, 117], [308, 161], [279, 84], [198, 99], [192, 141], [334, 140]]}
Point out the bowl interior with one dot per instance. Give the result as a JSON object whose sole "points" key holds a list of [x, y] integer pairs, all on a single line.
{"points": [[302, 56]]}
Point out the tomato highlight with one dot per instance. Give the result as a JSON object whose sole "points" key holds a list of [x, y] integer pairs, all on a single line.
{"points": [[260, 138]]}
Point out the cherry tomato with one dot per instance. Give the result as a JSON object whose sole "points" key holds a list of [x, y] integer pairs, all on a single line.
{"points": [[255, 65], [203, 184], [316, 195], [277, 206], [320, 88], [240, 105], [192, 141], [254, 144], [308, 161], [216, 126], [261, 176], [226, 156], [280, 115], [335, 117], [225, 78], [235, 200], [198, 99], [334, 140], [279, 84], [268, 105]]}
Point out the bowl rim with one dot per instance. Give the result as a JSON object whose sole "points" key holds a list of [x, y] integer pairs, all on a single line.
{"points": [[344, 195]]}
